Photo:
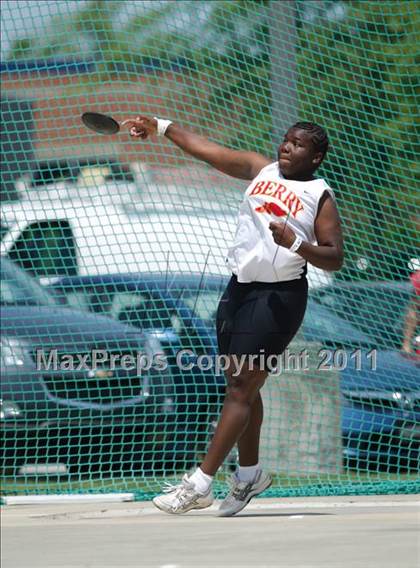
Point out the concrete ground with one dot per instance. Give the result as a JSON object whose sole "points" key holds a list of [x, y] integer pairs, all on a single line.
{"points": [[326, 532]]}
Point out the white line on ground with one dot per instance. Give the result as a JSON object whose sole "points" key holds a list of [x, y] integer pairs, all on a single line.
{"points": [[331, 504], [74, 498], [254, 506]]}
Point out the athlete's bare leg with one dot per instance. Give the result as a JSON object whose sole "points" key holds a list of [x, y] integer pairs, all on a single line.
{"points": [[249, 442], [241, 394]]}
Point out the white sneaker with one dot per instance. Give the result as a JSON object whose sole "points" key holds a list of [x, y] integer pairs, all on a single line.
{"points": [[241, 493], [178, 499]]}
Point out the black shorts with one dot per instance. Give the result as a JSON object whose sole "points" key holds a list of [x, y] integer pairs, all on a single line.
{"points": [[260, 317]]}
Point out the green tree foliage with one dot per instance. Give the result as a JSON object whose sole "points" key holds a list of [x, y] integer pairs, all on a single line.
{"points": [[357, 77], [88, 32]]}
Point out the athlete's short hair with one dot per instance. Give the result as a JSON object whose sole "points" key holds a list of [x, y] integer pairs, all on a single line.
{"points": [[318, 135]]}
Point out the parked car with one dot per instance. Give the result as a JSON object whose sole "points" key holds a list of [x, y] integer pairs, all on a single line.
{"points": [[94, 239], [376, 308], [380, 412], [90, 418], [81, 238]]}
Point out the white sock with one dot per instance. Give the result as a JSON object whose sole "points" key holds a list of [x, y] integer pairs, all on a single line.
{"points": [[247, 473], [201, 480]]}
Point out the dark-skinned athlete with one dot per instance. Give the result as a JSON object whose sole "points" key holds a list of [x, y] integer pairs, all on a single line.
{"points": [[288, 217]]}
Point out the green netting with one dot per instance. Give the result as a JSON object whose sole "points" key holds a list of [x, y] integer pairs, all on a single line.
{"points": [[128, 239]]}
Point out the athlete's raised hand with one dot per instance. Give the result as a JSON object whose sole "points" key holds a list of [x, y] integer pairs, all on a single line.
{"points": [[141, 126]]}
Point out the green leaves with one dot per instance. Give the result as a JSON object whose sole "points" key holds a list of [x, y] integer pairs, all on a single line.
{"points": [[356, 78]]}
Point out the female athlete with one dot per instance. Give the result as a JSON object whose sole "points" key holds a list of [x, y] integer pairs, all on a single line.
{"points": [[287, 218]]}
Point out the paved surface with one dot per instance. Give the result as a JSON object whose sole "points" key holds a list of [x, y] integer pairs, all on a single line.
{"points": [[334, 532]]}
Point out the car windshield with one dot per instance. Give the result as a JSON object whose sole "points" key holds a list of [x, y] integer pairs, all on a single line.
{"points": [[18, 288], [139, 306], [121, 301], [378, 311], [321, 324], [203, 303]]}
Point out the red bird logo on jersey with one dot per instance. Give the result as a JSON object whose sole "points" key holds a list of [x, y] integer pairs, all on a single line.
{"points": [[269, 207], [277, 191]]}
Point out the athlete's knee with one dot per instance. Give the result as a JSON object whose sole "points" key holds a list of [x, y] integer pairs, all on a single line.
{"points": [[245, 385]]}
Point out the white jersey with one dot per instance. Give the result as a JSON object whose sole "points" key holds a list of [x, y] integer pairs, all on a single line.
{"points": [[254, 256]]}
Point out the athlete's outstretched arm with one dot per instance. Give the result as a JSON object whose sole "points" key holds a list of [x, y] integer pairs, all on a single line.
{"points": [[235, 163], [328, 253]]}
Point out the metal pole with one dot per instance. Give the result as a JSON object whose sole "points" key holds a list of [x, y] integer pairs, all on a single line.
{"points": [[283, 44]]}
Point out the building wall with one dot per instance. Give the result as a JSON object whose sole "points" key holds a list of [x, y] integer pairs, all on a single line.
{"points": [[59, 101]]}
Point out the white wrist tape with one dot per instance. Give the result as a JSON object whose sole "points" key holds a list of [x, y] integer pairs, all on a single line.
{"points": [[162, 125], [297, 242]]}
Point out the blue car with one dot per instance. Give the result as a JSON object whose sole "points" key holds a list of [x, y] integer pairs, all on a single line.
{"points": [[380, 390], [85, 418]]}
